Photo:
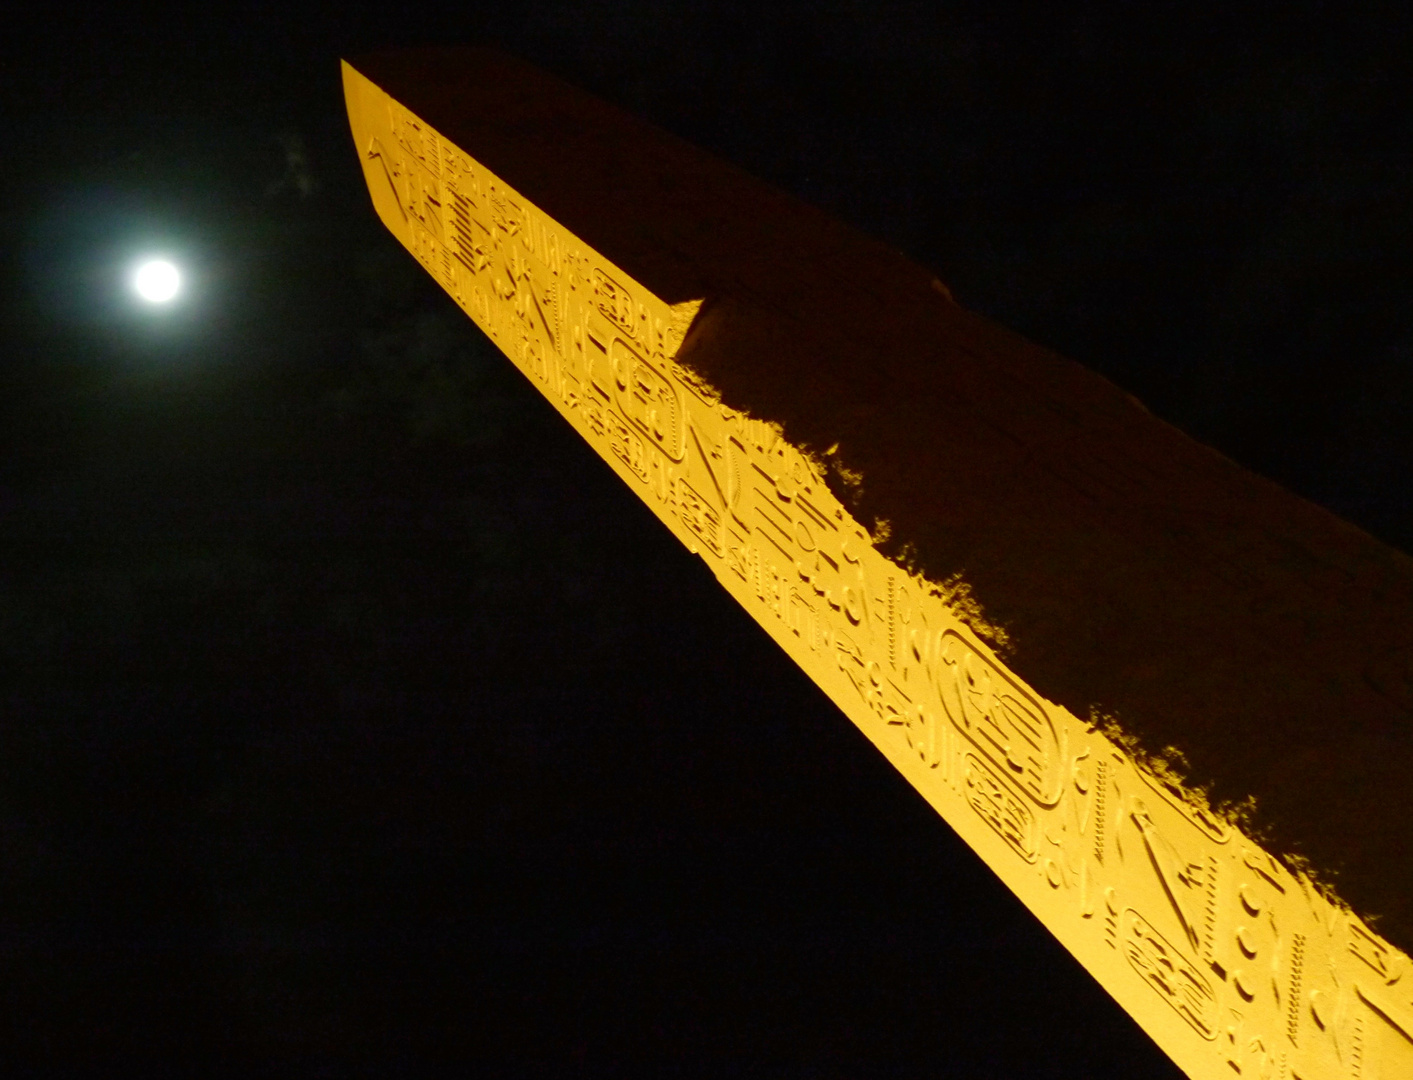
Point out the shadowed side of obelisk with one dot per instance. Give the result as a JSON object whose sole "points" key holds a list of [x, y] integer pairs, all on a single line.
{"points": [[1028, 592]]}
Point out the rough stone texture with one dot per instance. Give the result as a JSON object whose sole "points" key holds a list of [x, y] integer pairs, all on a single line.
{"points": [[1125, 570]]}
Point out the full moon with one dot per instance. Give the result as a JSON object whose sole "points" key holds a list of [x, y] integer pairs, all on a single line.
{"points": [[156, 281]]}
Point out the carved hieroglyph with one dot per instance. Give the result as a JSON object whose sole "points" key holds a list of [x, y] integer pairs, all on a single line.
{"points": [[1233, 965]]}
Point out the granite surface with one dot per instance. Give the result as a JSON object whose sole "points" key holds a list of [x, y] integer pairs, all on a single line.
{"points": [[1205, 616]]}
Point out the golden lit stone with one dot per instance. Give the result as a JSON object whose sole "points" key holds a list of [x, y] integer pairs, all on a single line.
{"points": [[692, 325]]}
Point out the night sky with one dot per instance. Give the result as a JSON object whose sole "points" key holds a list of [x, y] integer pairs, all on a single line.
{"points": [[355, 720]]}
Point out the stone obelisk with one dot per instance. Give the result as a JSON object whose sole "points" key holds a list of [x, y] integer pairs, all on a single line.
{"points": [[1167, 702]]}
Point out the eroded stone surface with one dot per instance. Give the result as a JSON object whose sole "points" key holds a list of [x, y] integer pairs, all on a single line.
{"points": [[771, 380], [1136, 571]]}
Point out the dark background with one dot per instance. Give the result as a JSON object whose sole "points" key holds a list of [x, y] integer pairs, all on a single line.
{"points": [[355, 720]]}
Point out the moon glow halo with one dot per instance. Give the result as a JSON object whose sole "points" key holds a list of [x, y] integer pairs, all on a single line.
{"points": [[156, 281]]}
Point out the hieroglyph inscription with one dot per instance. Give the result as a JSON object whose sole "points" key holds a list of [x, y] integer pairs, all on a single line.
{"points": [[1234, 966]]}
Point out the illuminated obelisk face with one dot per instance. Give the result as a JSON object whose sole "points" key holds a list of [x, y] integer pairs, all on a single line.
{"points": [[1233, 965]]}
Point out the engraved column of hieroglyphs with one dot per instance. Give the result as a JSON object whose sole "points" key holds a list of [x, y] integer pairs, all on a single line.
{"points": [[414, 161], [1372, 1017], [1239, 967], [1169, 882]]}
